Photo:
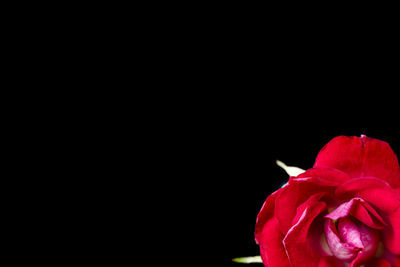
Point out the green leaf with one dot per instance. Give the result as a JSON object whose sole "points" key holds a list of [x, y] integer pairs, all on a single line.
{"points": [[253, 259], [292, 171]]}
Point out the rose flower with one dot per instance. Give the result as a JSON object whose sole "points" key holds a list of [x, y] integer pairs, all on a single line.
{"points": [[345, 211]]}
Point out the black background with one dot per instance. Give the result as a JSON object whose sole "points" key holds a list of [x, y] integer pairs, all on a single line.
{"points": [[251, 97], [230, 167]]}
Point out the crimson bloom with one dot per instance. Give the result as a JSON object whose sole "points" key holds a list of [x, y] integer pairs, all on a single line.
{"points": [[345, 211]]}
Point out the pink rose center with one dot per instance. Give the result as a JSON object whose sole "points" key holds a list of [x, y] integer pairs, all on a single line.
{"points": [[349, 239]]}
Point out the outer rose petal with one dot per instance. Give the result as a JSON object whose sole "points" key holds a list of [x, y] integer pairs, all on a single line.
{"points": [[328, 176], [292, 196], [266, 213], [268, 235], [374, 191], [310, 201], [271, 246], [297, 240], [361, 157], [391, 234]]}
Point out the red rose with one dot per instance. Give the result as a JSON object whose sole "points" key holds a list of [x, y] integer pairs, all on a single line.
{"points": [[345, 211]]}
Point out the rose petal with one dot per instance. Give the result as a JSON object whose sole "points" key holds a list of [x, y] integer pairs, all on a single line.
{"points": [[393, 259], [361, 210], [293, 195], [327, 176], [349, 233], [370, 240], [381, 199], [374, 191], [361, 157], [266, 213], [342, 153], [358, 184], [381, 162], [342, 211], [271, 247], [330, 262], [297, 240], [341, 250], [310, 201], [391, 234], [268, 236], [368, 215], [317, 238], [396, 262]]}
